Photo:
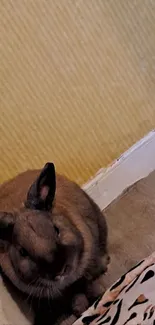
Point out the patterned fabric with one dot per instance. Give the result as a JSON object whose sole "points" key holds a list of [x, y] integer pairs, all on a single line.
{"points": [[130, 301]]}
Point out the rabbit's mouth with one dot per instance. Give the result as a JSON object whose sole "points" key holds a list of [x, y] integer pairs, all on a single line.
{"points": [[64, 272], [65, 264], [70, 266], [49, 278]]}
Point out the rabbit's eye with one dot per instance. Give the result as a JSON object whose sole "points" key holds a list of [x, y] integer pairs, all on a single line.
{"points": [[57, 230], [23, 252]]}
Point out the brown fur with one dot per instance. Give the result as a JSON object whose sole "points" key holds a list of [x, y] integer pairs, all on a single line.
{"points": [[81, 239]]}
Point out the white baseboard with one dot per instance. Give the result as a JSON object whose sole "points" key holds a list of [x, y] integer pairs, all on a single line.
{"points": [[134, 164]]}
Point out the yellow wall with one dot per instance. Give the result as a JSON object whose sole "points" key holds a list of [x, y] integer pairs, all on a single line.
{"points": [[77, 82]]}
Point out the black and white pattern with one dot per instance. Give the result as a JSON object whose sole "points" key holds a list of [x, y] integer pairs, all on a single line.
{"points": [[130, 301]]}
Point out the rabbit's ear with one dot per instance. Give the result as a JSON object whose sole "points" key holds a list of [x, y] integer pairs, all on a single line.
{"points": [[7, 221], [42, 192]]}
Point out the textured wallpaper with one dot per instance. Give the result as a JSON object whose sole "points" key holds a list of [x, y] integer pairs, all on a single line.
{"points": [[77, 82]]}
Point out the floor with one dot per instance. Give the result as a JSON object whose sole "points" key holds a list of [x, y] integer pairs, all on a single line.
{"points": [[131, 221]]}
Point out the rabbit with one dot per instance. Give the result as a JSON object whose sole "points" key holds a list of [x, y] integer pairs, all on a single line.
{"points": [[53, 243]]}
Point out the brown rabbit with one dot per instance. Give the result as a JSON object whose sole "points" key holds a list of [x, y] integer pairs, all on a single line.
{"points": [[55, 245]]}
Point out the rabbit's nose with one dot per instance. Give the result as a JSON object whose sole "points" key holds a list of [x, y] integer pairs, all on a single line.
{"points": [[45, 269], [48, 260]]}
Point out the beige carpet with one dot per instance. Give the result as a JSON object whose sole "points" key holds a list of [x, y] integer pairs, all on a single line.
{"points": [[131, 221]]}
